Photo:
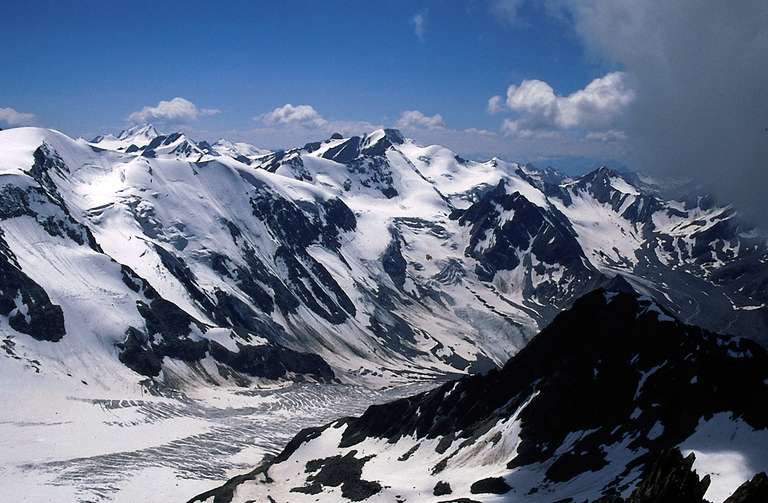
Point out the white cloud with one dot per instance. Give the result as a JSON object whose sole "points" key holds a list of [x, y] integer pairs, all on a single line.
{"points": [[518, 129], [303, 115], [176, 110], [700, 75], [605, 136], [411, 119], [419, 21], [598, 106], [351, 127], [12, 117], [495, 104]]}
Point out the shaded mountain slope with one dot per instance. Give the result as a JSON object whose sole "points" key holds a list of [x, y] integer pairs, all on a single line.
{"points": [[593, 407]]}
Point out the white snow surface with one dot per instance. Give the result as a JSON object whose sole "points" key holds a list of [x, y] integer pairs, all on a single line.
{"points": [[729, 451], [77, 408]]}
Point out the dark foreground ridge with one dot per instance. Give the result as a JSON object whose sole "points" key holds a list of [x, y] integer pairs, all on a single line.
{"points": [[614, 374]]}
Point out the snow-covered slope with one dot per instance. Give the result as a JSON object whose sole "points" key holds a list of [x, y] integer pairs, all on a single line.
{"points": [[152, 264], [74, 309], [540, 239], [131, 139], [145, 140], [370, 258], [243, 152], [602, 405]]}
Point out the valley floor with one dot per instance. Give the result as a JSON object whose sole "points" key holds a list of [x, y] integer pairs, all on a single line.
{"points": [[57, 448]]}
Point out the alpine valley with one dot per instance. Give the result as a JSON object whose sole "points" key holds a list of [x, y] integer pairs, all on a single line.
{"points": [[173, 312]]}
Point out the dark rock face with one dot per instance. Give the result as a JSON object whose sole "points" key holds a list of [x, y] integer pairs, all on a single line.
{"points": [[184, 149], [669, 478], [394, 263], [286, 220], [442, 488], [356, 147], [136, 354], [391, 138], [323, 295], [752, 491], [167, 320], [345, 152], [47, 161], [344, 471], [181, 272], [28, 307], [531, 228], [168, 329], [502, 242], [263, 288], [491, 485], [300, 226], [169, 333], [143, 353], [271, 361]]}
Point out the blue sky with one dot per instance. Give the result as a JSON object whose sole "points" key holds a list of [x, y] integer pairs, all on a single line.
{"points": [[84, 67], [669, 88]]}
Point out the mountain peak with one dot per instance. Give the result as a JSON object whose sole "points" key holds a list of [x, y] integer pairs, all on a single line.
{"points": [[392, 136], [619, 284], [600, 173], [144, 130]]}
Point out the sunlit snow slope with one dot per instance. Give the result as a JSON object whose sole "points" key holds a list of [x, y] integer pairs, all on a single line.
{"points": [[371, 259]]}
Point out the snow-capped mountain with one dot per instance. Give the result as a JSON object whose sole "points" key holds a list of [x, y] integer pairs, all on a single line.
{"points": [[243, 152], [131, 139], [616, 400], [539, 231], [145, 140], [370, 258]]}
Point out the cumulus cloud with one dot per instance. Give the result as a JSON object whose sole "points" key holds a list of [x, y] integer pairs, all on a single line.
{"points": [[288, 125], [700, 75], [11, 117], [419, 22], [302, 115], [519, 129], [495, 104], [177, 110], [414, 119], [539, 110], [479, 132]]}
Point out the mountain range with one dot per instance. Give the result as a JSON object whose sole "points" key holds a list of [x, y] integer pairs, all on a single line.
{"points": [[369, 259], [146, 262], [615, 401]]}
